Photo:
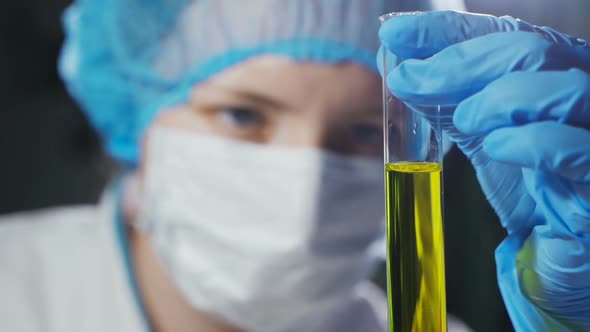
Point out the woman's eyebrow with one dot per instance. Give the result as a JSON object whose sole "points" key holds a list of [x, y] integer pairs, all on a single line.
{"points": [[220, 94], [258, 98]]}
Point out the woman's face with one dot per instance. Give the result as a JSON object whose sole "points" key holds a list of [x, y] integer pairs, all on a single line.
{"points": [[277, 101]]}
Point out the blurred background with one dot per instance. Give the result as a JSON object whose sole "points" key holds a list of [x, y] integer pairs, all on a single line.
{"points": [[49, 155]]}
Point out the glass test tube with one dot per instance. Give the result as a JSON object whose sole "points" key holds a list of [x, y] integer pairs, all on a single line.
{"points": [[415, 244]]}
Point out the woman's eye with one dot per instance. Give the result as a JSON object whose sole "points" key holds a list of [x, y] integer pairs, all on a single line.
{"points": [[367, 134], [242, 117]]}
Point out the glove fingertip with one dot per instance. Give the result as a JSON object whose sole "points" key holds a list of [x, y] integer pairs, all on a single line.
{"points": [[402, 85], [379, 61], [497, 143], [463, 118], [402, 35]]}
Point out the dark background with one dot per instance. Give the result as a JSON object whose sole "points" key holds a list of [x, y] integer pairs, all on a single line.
{"points": [[49, 155]]}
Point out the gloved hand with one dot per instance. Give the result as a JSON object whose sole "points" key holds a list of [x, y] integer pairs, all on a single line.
{"points": [[517, 101]]}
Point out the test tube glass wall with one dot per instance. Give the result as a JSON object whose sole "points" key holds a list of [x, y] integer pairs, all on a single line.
{"points": [[415, 245]]}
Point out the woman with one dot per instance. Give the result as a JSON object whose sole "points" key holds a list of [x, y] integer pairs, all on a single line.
{"points": [[253, 139]]}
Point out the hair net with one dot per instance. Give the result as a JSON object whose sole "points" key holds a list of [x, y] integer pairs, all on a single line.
{"points": [[123, 60]]}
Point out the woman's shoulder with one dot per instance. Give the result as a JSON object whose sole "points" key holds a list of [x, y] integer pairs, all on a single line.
{"points": [[31, 240], [46, 227], [56, 225], [61, 269]]}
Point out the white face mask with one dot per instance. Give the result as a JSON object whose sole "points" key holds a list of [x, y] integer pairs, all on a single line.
{"points": [[269, 239]]}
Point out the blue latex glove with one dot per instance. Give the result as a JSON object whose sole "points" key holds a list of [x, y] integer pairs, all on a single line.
{"points": [[517, 103]]}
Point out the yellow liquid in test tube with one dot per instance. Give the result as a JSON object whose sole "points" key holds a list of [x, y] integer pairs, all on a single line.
{"points": [[415, 248]]}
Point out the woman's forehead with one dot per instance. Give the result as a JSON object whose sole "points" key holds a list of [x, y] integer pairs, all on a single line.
{"points": [[287, 80]]}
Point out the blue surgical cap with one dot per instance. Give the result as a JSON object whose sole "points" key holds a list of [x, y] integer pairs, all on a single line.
{"points": [[124, 60]]}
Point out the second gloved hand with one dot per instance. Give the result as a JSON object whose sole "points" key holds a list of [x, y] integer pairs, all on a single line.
{"points": [[519, 97]]}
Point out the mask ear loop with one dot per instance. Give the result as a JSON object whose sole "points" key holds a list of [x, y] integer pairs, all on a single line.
{"points": [[132, 200], [118, 189]]}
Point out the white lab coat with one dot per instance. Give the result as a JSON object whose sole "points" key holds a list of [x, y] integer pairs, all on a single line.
{"points": [[64, 270]]}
